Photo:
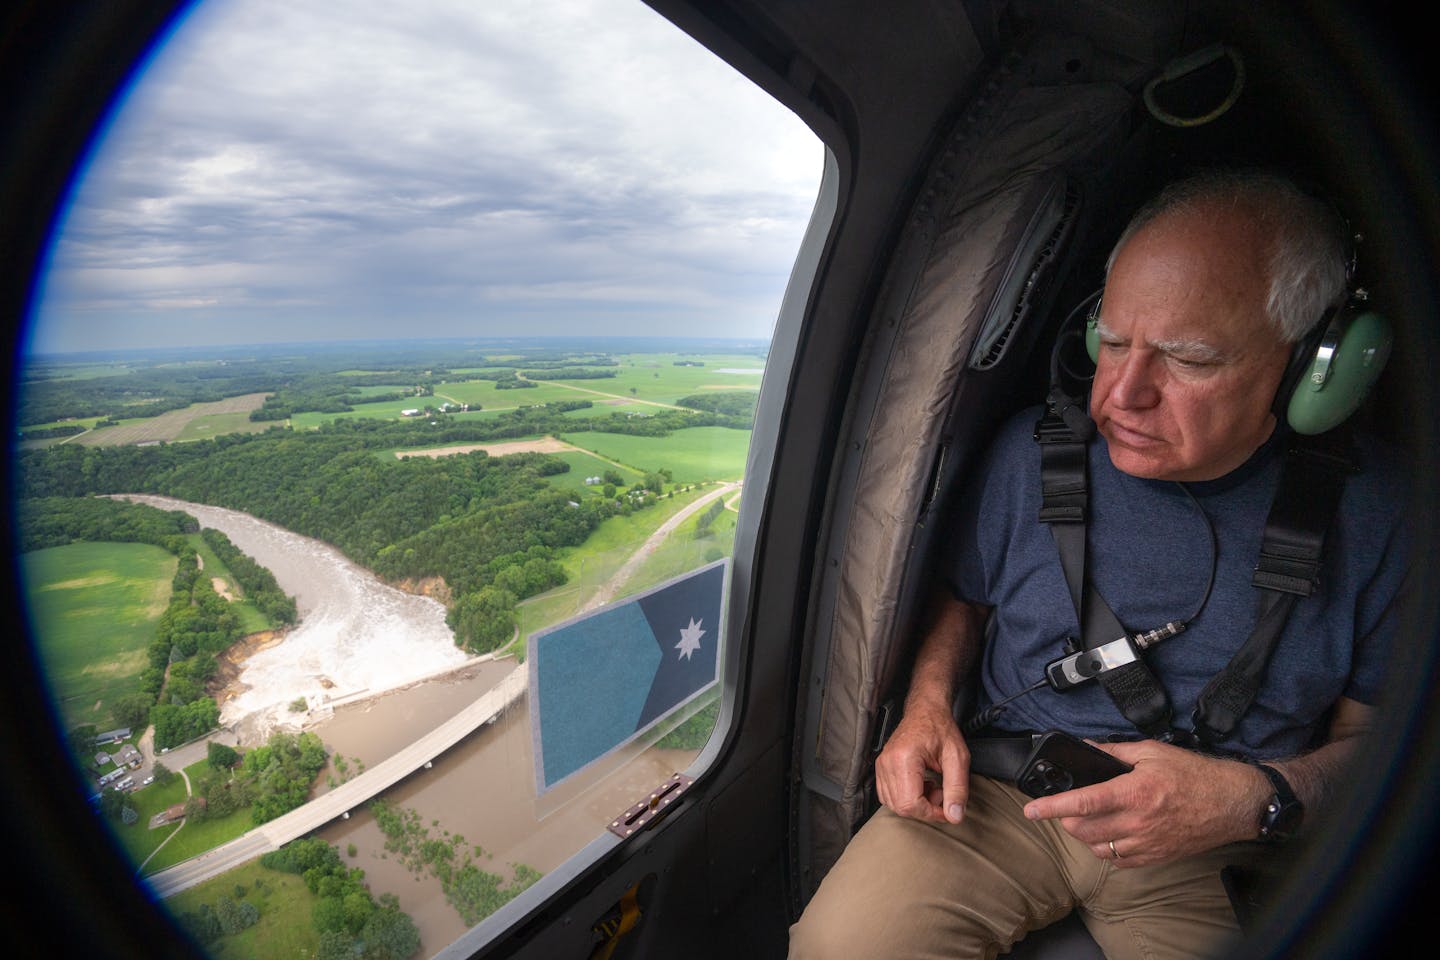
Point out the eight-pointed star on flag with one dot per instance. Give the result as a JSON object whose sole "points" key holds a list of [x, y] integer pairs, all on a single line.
{"points": [[690, 639]]}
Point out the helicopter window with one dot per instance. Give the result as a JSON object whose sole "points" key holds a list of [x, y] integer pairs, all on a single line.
{"points": [[447, 326]]}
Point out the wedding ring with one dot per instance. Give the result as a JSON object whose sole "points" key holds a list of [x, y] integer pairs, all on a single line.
{"points": [[1115, 852]]}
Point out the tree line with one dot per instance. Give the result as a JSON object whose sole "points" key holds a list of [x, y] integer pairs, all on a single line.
{"points": [[57, 521], [489, 526]]}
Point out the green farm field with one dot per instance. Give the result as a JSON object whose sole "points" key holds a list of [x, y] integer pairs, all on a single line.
{"points": [[199, 421], [655, 377], [640, 381], [692, 456], [484, 393], [382, 410], [94, 607], [372, 391], [87, 422], [81, 371], [584, 465], [493, 403]]}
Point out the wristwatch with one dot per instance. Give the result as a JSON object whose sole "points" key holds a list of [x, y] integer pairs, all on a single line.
{"points": [[1283, 811]]}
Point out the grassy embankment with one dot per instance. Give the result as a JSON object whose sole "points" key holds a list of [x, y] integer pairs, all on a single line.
{"points": [[704, 453]]}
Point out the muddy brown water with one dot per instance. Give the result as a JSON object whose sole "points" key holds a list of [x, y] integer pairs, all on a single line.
{"points": [[482, 790]]}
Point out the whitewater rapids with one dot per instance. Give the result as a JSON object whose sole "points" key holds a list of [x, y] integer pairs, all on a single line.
{"points": [[356, 634]]}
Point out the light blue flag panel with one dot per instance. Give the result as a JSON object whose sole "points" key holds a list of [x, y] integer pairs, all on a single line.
{"points": [[601, 679]]}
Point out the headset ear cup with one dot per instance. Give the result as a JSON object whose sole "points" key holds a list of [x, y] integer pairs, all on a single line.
{"points": [[1340, 372], [1092, 338]]}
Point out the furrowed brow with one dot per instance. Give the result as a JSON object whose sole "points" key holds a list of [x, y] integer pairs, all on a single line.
{"points": [[1195, 351]]}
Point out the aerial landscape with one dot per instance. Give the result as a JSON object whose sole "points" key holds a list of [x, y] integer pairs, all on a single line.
{"points": [[338, 389], [258, 576]]}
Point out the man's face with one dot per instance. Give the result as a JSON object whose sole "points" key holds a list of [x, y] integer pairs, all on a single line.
{"points": [[1188, 364]]}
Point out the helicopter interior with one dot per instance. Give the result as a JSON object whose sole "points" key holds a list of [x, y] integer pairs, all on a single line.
{"points": [[982, 157]]}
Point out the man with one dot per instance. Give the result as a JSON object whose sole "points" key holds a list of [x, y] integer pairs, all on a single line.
{"points": [[1206, 294]]}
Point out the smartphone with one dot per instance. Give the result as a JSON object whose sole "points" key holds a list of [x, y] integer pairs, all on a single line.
{"points": [[1060, 762]]}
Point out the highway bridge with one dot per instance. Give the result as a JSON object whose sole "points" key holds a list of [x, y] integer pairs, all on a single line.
{"points": [[348, 796]]}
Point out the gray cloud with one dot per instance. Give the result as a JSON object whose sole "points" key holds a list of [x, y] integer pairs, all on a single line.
{"points": [[362, 169]]}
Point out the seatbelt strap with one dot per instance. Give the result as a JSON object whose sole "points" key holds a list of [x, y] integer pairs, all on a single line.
{"points": [[1312, 478], [1064, 508]]}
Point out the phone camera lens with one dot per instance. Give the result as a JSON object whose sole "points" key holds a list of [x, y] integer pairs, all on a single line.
{"points": [[1054, 779]]}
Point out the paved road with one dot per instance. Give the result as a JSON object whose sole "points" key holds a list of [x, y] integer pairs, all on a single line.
{"points": [[347, 796]]}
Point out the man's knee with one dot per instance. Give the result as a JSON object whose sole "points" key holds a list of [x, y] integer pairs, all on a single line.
{"points": [[906, 888], [855, 911]]}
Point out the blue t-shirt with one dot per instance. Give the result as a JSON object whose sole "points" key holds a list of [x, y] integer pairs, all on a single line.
{"points": [[1150, 557]]}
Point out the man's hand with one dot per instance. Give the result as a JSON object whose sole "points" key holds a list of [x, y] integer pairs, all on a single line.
{"points": [[1174, 803], [926, 740]]}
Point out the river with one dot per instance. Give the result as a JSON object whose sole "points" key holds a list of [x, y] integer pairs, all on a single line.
{"points": [[356, 633], [359, 635]]}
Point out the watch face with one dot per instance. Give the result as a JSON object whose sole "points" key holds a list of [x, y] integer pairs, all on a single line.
{"points": [[1280, 819]]}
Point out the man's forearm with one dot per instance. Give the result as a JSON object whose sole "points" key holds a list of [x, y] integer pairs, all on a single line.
{"points": [[947, 653], [1315, 776]]}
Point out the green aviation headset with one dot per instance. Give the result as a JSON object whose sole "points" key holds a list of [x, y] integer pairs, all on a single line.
{"points": [[1331, 369]]}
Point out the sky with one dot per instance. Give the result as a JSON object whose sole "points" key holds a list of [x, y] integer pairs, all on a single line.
{"points": [[360, 169]]}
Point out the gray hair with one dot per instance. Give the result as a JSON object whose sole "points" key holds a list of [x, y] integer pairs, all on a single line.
{"points": [[1307, 264]]}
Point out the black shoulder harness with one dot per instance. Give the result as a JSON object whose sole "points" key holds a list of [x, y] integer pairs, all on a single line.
{"points": [[1312, 478]]}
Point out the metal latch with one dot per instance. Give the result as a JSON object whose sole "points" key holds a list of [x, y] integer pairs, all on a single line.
{"points": [[652, 808]]}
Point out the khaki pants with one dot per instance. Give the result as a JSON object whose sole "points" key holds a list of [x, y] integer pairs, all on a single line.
{"points": [[906, 888]]}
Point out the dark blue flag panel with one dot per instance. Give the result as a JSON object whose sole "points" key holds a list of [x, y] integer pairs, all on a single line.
{"points": [[600, 680]]}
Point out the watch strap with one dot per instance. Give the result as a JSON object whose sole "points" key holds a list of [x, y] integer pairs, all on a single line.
{"points": [[1283, 811]]}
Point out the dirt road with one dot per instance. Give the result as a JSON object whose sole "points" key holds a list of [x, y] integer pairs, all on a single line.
{"points": [[607, 592]]}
